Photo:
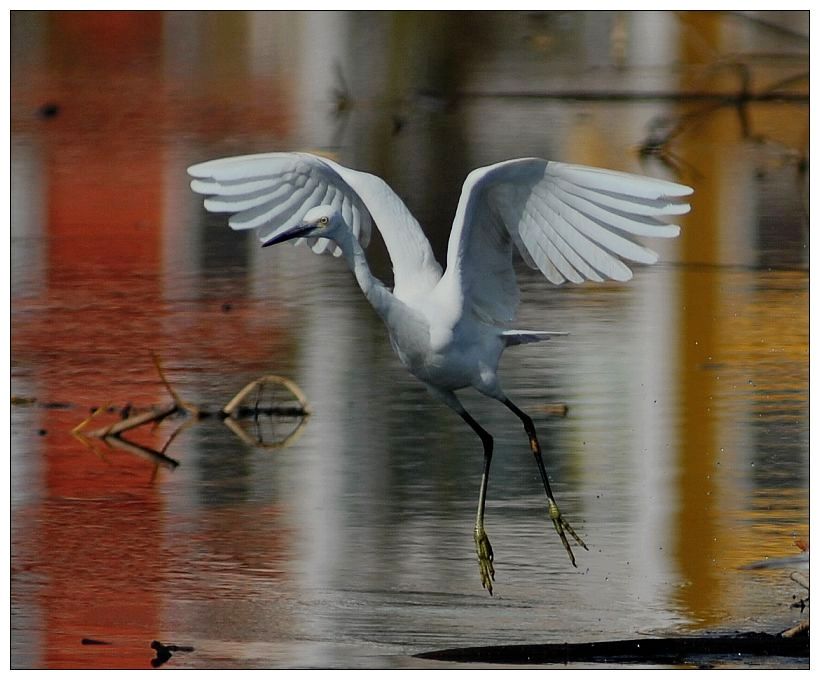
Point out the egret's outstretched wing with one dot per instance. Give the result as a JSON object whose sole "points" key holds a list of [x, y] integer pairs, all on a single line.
{"points": [[269, 191], [574, 223], [273, 191]]}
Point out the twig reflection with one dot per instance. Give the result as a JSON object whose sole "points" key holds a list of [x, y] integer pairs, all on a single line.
{"points": [[232, 415]]}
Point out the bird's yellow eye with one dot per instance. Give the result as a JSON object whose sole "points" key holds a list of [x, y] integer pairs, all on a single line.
{"points": [[323, 221]]}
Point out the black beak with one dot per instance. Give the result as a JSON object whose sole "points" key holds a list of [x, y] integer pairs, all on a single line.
{"points": [[288, 234]]}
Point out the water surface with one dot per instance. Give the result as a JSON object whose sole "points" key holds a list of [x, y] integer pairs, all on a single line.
{"points": [[683, 453]]}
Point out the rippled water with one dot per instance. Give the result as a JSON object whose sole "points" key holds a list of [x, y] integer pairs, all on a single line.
{"points": [[682, 456]]}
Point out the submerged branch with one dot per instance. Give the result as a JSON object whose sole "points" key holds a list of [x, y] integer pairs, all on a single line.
{"points": [[156, 457], [231, 407], [155, 415], [180, 404], [230, 414]]}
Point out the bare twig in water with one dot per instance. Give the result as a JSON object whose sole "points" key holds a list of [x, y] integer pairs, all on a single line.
{"points": [[94, 414], [558, 409], [182, 405], [233, 411], [155, 415], [800, 579], [230, 408], [800, 628]]}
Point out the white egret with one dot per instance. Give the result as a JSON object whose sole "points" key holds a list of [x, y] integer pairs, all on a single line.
{"points": [[449, 328]]}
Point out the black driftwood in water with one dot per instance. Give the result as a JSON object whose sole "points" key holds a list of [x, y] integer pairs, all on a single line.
{"points": [[646, 650]]}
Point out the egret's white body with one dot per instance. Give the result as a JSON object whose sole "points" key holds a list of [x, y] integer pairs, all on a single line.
{"points": [[449, 327]]}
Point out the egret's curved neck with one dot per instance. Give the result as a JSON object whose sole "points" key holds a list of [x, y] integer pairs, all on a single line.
{"points": [[374, 290]]}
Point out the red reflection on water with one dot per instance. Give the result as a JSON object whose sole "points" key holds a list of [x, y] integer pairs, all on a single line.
{"points": [[94, 543], [94, 536], [93, 539]]}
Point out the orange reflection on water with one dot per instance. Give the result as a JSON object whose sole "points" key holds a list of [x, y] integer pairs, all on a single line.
{"points": [[726, 345]]}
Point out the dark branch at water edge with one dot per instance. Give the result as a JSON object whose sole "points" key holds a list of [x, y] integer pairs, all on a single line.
{"points": [[648, 650]]}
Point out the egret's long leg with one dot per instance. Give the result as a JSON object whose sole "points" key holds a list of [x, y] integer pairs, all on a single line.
{"points": [[561, 525], [482, 544], [483, 549]]}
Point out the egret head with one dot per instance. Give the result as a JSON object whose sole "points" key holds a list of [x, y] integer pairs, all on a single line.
{"points": [[322, 221]]}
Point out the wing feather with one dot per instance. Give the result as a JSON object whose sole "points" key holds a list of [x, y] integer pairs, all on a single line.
{"points": [[638, 224], [580, 268], [597, 230], [597, 257], [572, 222], [625, 204], [622, 183], [270, 191], [535, 243], [236, 187], [232, 203], [304, 194], [549, 247]]}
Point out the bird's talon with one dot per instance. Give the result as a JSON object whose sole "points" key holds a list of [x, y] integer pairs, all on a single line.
{"points": [[563, 528], [484, 551]]}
